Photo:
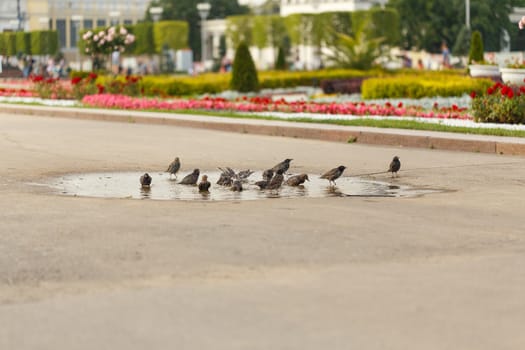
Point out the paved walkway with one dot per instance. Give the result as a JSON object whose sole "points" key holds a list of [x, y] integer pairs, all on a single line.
{"points": [[365, 135], [442, 271]]}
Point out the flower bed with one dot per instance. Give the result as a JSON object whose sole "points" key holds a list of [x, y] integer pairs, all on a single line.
{"points": [[265, 104], [10, 92]]}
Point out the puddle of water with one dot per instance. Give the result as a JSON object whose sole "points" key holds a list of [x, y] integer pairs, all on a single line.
{"points": [[164, 187]]}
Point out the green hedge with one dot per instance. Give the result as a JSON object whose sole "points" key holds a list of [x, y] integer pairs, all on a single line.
{"points": [[23, 42], [174, 34], [10, 43], [144, 39], [444, 83], [431, 85], [44, 42]]}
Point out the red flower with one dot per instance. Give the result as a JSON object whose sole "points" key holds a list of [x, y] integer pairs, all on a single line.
{"points": [[436, 105], [455, 108], [76, 80], [510, 93], [473, 94], [490, 90], [100, 88], [400, 105], [92, 76], [37, 78]]}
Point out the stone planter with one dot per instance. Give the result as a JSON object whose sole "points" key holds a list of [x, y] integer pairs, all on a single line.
{"points": [[484, 70], [514, 76]]}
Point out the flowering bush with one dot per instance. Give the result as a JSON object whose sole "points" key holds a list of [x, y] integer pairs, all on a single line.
{"points": [[84, 86], [500, 104], [107, 41], [50, 87], [128, 86]]}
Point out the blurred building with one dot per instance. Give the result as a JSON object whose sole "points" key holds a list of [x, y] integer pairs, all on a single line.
{"points": [[12, 14], [289, 7], [69, 17]]}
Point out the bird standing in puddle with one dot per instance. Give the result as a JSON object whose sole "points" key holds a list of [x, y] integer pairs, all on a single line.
{"points": [[174, 167], [333, 174], [395, 165], [191, 179], [204, 185], [145, 180]]}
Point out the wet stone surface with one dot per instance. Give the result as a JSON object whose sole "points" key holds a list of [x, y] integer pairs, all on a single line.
{"points": [[166, 187]]}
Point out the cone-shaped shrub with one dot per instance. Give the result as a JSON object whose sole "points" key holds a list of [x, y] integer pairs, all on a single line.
{"points": [[280, 63], [244, 74], [476, 48]]}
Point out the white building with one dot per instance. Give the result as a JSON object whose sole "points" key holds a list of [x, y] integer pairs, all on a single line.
{"points": [[289, 7]]}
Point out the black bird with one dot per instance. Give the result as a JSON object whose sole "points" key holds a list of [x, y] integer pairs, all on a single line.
{"points": [[267, 174], [191, 179], [276, 181], [297, 180], [227, 176], [244, 174], [237, 186], [333, 174], [395, 165], [145, 180], [174, 167], [284, 166], [262, 184], [204, 185]]}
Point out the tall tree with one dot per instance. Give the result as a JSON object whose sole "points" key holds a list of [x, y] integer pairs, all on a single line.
{"points": [[426, 24], [187, 10]]}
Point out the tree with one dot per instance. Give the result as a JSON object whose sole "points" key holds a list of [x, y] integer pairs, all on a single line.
{"points": [[426, 24], [357, 51], [187, 10], [280, 62], [476, 48], [244, 74]]}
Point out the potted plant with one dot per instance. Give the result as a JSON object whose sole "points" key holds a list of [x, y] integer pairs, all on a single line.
{"points": [[478, 66], [514, 72]]}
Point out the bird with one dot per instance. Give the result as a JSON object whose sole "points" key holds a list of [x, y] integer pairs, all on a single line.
{"points": [[237, 186], [145, 180], [395, 165], [174, 167], [284, 166], [244, 174], [333, 174], [204, 185], [226, 177], [191, 179], [262, 184], [267, 174], [276, 181], [297, 180]]}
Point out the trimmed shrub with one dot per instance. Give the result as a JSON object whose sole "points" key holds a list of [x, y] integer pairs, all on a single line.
{"points": [[280, 62], [10, 43], [476, 48], [422, 86], [244, 74], [23, 42], [174, 34], [2, 44], [144, 39], [44, 42]]}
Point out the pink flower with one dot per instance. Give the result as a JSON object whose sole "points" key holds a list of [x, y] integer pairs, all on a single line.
{"points": [[521, 23]]}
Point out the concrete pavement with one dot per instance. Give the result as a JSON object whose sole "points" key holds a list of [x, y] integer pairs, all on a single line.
{"points": [[443, 271]]}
